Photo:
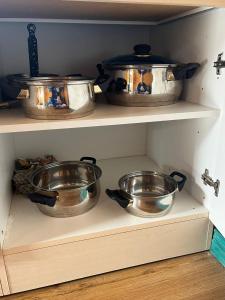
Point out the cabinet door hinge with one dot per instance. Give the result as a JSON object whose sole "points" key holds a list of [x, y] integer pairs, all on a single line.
{"points": [[219, 64], [209, 181]]}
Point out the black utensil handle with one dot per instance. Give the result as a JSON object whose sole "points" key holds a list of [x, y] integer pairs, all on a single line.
{"points": [[33, 51], [41, 199], [181, 182], [89, 159], [116, 196], [185, 71]]}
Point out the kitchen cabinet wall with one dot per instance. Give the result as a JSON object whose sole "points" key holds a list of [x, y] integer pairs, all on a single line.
{"points": [[69, 48]]}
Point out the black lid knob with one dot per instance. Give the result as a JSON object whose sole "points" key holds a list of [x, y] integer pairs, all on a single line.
{"points": [[142, 49]]}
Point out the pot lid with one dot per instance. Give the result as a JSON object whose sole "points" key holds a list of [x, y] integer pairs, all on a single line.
{"points": [[142, 56]]}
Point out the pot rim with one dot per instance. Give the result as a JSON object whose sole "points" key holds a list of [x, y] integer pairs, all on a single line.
{"points": [[50, 80], [132, 197], [138, 66], [57, 164]]}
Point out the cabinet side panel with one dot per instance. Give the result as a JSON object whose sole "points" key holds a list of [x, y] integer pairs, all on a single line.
{"points": [[7, 157], [47, 266], [192, 146]]}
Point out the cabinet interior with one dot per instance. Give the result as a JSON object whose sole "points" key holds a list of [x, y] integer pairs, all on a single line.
{"points": [[77, 48]]}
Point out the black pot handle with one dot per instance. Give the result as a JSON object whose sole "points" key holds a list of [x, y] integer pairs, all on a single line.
{"points": [[116, 196], [185, 71], [89, 159], [181, 182], [41, 199], [102, 77]]}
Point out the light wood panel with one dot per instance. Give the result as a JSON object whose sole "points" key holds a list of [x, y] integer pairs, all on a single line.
{"points": [[127, 10], [107, 217], [105, 115], [4, 286], [193, 277], [42, 267], [107, 10]]}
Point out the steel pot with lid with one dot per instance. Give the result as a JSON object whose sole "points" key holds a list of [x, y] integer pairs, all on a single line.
{"points": [[48, 96], [144, 79], [147, 193], [66, 189]]}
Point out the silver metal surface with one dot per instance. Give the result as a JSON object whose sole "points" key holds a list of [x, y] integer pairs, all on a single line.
{"points": [[144, 86], [75, 185], [56, 97], [151, 194], [209, 181]]}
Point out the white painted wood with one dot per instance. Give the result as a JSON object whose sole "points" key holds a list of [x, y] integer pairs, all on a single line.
{"points": [[7, 156], [102, 142], [195, 145], [51, 265], [106, 115], [185, 14], [104, 219], [79, 21], [217, 204]]}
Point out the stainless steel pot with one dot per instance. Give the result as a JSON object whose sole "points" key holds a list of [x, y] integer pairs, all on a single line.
{"points": [[55, 97], [66, 189], [147, 193], [144, 79], [48, 96]]}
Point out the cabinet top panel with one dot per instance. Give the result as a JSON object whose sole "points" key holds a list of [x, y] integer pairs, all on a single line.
{"points": [[14, 120], [115, 10]]}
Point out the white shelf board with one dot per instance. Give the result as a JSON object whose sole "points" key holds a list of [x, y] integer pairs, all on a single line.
{"points": [[14, 120], [29, 229]]}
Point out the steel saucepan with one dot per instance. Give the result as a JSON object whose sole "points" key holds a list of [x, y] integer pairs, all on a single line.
{"points": [[147, 193], [55, 97], [66, 189]]}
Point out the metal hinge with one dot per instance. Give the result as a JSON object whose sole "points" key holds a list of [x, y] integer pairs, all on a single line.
{"points": [[219, 64], [209, 181]]}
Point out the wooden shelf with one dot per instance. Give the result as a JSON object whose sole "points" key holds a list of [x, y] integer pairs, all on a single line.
{"points": [[127, 10], [29, 229], [14, 120]]}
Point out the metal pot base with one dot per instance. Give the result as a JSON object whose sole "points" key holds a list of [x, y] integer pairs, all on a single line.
{"points": [[67, 211], [151, 209], [42, 115], [135, 100]]}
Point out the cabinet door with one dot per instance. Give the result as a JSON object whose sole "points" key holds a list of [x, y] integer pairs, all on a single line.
{"points": [[217, 205]]}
